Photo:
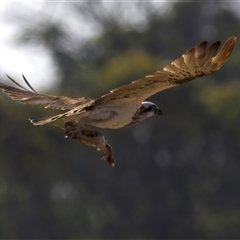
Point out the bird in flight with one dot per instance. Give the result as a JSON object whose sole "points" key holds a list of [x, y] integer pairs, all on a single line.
{"points": [[124, 106]]}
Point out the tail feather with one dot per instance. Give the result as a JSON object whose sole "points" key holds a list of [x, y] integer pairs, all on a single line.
{"points": [[72, 114], [43, 121]]}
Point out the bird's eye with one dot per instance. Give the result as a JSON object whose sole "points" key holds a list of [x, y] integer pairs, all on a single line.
{"points": [[152, 108]]}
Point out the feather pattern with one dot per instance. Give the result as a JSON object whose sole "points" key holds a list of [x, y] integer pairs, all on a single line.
{"points": [[196, 62], [25, 95]]}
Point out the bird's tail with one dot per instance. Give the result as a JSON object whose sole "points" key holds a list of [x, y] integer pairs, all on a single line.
{"points": [[42, 121]]}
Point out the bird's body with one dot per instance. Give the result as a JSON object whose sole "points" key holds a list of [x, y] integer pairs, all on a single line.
{"points": [[106, 116], [123, 106], [114, 116], [111, 116]]}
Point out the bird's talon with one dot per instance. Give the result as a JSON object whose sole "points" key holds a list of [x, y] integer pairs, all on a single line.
{"points": [[71, 130]]}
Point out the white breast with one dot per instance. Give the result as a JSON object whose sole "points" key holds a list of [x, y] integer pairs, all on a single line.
{"points": [[112, 117]]}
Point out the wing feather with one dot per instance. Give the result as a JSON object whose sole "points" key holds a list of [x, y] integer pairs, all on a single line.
{"points": [[25, 95], [196, 62]]}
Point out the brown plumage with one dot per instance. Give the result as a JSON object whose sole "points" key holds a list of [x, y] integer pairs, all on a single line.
{"points": [[123, 106], [196, 62]]}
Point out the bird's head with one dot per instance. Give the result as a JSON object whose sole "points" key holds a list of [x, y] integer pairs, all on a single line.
{"points": [[149, 109]]}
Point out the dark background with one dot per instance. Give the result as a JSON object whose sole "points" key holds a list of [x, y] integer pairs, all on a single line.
{"points": [[176, 177]]}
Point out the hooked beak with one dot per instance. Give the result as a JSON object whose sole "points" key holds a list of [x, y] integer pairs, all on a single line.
{"points": [[158, 111]]}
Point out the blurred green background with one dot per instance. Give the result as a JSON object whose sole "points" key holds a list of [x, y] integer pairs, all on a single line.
{"points": [[176, 177]]}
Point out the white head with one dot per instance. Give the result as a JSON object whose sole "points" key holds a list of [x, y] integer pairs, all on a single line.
{"points": [[149, 109]]}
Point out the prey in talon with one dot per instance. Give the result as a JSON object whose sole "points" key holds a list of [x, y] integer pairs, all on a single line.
{"points": [[92, 139]]}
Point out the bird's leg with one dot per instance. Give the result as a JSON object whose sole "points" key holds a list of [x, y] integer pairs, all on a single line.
{"points": [[91, 138], [90, 133], [71, 130], [96, 139]]}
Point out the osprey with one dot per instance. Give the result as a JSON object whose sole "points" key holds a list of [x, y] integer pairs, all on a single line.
{"points": [[123, 106]]}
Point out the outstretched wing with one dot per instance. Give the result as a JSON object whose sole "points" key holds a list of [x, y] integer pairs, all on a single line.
{"points": [[30, 96], [196, 62]]}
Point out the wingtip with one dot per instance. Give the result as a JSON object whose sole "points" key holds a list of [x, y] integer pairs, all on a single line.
{"points": [[231, 41], [225, 52], [234, 38], [8, 76]]}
